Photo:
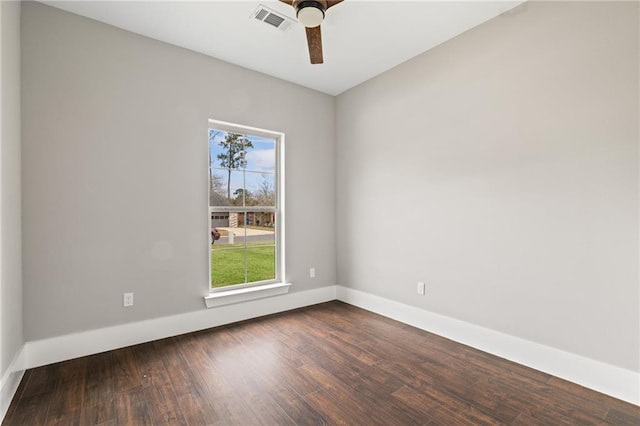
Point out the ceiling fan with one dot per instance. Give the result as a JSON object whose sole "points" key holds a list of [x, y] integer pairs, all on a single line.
{"points": [[310, 14]]}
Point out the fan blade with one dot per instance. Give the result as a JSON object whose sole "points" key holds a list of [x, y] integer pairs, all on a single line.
{"points": [[331, 3], [314, 41]]}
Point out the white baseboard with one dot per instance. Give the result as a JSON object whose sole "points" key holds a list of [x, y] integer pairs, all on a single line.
{"points": [[596, 375], [61, 348], [9, 382], [611, 380]]}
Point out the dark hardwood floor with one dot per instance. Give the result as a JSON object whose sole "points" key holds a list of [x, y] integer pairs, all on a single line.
{"points": [[326, 364]]}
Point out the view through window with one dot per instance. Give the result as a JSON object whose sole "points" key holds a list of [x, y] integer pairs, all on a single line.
{"points": [[243, 207]]}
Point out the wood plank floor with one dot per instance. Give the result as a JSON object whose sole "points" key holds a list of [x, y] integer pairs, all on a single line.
{"points": [[326, 364]]}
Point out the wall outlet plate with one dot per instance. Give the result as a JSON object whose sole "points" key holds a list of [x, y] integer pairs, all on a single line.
{"points": [[128, 299], [421, 287]]}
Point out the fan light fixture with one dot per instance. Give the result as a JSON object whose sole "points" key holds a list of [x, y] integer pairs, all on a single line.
{"points": [[310, 13]]}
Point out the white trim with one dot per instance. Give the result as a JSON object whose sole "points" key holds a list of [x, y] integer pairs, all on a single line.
{"points": [[10, 382], [61, 348], [280, 200], [596, 375], [245, 294], [278, 209], [241, 128], [609, 379]]}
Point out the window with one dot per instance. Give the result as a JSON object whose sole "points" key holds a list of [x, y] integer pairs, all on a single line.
{"points": [[245, 208]]}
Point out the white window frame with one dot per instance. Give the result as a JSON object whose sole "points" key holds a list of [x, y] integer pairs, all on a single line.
{"points": [[237, 293]]}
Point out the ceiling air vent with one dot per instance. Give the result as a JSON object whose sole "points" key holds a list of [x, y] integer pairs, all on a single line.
{"points": [[273, 18]]}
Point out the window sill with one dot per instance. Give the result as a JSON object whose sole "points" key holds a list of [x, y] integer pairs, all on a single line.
{"points": [[230, 297]]}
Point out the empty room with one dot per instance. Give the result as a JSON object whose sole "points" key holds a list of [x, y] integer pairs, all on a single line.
{"points": [[319, 212]]}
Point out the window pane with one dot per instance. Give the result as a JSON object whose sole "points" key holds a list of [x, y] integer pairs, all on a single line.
{"points": [[228, 150], [217, 190], [227, 264], [228, 188], [262, 224], [261, 263], [247, 240], [241, 197], [261, 155], [262, 187]]}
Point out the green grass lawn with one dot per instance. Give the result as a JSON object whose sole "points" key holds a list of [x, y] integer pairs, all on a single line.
{"points": [[228, 263]]}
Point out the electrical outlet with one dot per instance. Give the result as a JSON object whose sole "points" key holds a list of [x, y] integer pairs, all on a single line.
{"points": [[312, 272], [128, 299], [421, 287]]}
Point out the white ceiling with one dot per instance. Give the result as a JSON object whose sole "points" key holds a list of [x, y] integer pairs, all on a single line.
{"points": [[361, 39]]}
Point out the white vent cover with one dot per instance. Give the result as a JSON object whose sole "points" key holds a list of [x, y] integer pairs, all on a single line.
{"points": [[273, 18]]}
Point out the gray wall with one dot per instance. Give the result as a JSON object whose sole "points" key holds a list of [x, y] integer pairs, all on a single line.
{"points": [[115, 167], [11, 336], [502, 169]]}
